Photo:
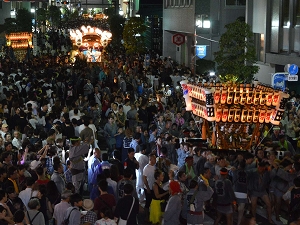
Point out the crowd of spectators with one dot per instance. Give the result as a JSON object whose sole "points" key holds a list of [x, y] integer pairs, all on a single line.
{"points": [[54, 114]]}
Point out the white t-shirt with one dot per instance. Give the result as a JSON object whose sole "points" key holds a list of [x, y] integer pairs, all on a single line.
{"points": [[149, 173]]}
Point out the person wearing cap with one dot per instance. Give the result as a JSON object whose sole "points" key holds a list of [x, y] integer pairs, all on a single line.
{"points": [[275, 134], [173, 208], [225, 198], [90, 217], [76, 152], [61, 208], [258, 183]]}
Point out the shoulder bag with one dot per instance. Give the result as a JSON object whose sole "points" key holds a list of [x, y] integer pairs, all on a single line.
{"points": [[124, 222]]}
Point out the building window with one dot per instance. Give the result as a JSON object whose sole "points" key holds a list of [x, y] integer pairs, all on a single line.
{"points": [[297, 13], [286, 13], [235, 2], [178, 3], [259, 41]]}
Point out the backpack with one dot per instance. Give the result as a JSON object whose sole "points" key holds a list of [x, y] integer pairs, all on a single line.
{"points": [[67, 220], [31, 220]]}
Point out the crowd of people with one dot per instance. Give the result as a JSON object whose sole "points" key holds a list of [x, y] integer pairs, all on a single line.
{"points": [[53, 116]]}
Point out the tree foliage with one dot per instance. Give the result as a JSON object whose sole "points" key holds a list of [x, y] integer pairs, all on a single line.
{"points": [[24, 20], [54, 16], [134, 41], [10, 25], [116, 24], [237, 53]]}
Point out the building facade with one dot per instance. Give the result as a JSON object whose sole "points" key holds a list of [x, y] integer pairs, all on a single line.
{"points": [[276, 25], [181, 16]]}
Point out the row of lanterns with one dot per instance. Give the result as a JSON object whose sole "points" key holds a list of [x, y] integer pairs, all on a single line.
{"points": [[235, 103], [239, 95]]}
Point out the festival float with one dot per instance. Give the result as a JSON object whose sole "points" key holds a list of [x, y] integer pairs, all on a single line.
{"points": [[89, 42], [20, 42], [234, 114]]}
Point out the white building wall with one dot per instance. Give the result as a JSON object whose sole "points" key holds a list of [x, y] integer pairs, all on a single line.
{"points": [[265, 73]]}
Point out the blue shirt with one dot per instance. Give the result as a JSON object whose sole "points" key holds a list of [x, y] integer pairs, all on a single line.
{"points": [[181, 157]]}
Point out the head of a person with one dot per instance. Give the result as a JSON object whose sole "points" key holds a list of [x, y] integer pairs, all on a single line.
{"points": [[103, 185], [181, 175], [221, 161], [128, 189], [193, 184], [248, 158], [19, 216], [12, 173], [174, 188], [158, 175], [11, 193], [75, 141], [76, 200], [152, 159], [189, 161], [224, 172], [130, 153], [34, 203], [206, 173], [88, 204], [65, 195]]}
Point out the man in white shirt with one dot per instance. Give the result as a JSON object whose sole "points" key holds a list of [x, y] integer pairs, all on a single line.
{"points": [[148, 178], [28, 193], [143, 161]]}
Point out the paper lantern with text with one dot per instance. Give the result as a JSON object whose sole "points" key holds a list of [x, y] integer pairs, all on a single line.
{"points": [[217, 94], [249, 99], [263, 98], [275, 99], [219, 114], [256, 97], [231, 113], [269, 98], [224, 95], [256, 116], [244, 115], [268, 115], [225, 114], [237, 114], [250, 115], [230, 95], [262, 114]]}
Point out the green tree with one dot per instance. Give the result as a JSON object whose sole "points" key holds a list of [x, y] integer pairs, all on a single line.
{"points": [[24, 20], [54, 16], [10, 25], [41, 17], [134, 42], [116, 24], [237, 53]]}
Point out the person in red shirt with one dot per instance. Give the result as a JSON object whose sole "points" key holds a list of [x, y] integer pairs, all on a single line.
{"points": [[42, 179], [104, 200]]}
